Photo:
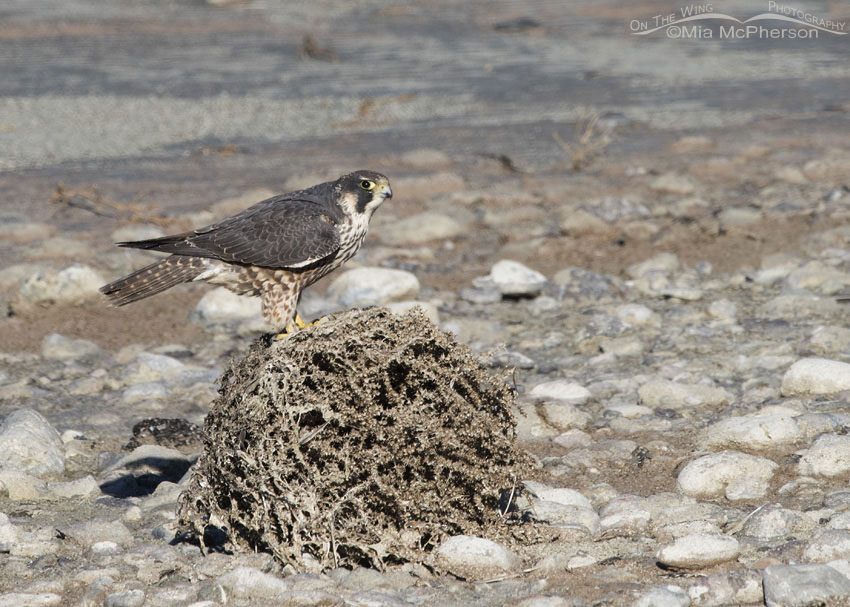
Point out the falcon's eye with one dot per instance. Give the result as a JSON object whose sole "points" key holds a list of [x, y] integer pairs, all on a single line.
{"points": [[367, 185]]}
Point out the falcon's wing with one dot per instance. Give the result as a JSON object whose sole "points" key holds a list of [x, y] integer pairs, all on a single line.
{"points": [[277, 233]]}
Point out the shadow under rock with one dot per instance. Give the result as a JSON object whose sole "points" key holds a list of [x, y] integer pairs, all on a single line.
{"points": [[156, 471]]}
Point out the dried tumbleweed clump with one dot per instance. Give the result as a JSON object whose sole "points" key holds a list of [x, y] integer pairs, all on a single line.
{"points": [[365, 440]]}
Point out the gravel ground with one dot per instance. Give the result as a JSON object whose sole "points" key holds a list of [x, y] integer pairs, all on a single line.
{"points": [[665, 290]]}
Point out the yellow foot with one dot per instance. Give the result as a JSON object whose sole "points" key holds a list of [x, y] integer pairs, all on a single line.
{"points": [[289, 330], [297, 325]]}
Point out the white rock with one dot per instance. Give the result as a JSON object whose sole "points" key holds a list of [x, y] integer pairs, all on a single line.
{"points": [[251, 583], [531, 426], [673, 395], [628, 410], [28, 443], [770, 523], [21, 486], [125, 598], [370, 286], [840, 521], [30, 599], [89, 533], [804, 585], [829, 339], [664, 596], [622, 346], [828, 545], [476, 553], [816, 275], [400, 308], [555, 514], [671, 531], [664, 263], [624, 515], [799, 306], [514, 279], [85, 487], [572, 439], [731, 473], [59, 347], [699, 550], [738, 217], [815, 424], [814, 376], [147, 367], [754, 433], [637, 315], [8, 534], [563, 415], [736, 587], [580, 222], [71, 285], [670, 183], [221, 305], [561, 390], [105, 548], [147, 390], [560, 495], [828, 456], [603, 453], [723, 309], [421, 228]]}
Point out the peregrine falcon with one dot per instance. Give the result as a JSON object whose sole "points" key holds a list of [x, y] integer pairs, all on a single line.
{"points": [[273, 249]]}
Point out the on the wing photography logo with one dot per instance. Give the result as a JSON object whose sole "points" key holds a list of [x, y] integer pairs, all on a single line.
{"points": [[700, 21]]}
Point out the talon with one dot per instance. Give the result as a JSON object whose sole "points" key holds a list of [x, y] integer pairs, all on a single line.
{"points": [[300, 322], [289, 330]]}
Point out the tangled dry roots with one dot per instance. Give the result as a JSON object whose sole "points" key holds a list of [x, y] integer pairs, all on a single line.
{"points": [[365, 440]]}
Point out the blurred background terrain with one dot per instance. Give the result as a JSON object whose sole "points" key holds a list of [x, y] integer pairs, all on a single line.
{"points": [[546, 131]]}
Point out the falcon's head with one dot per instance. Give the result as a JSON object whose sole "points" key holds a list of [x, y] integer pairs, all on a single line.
{"points": [[363, 191]]}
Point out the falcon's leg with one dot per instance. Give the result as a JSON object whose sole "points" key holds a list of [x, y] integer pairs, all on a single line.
{"points": [[279, 307]]}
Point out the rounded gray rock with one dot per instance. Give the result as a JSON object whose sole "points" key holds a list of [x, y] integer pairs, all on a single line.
{"points": [[373, 287], [699, 550], [476, 553], [828, 456], [804, 585], [664, 596], [127, 598], [731, 473], [815, 376], [28, 443], [514, 279], [220, 306], [59, 347]]}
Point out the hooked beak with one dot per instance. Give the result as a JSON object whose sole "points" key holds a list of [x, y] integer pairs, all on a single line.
{"points": [[385, 190]]}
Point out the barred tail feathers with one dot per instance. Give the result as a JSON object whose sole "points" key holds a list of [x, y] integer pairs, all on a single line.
{"points": [[153, 279]]}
